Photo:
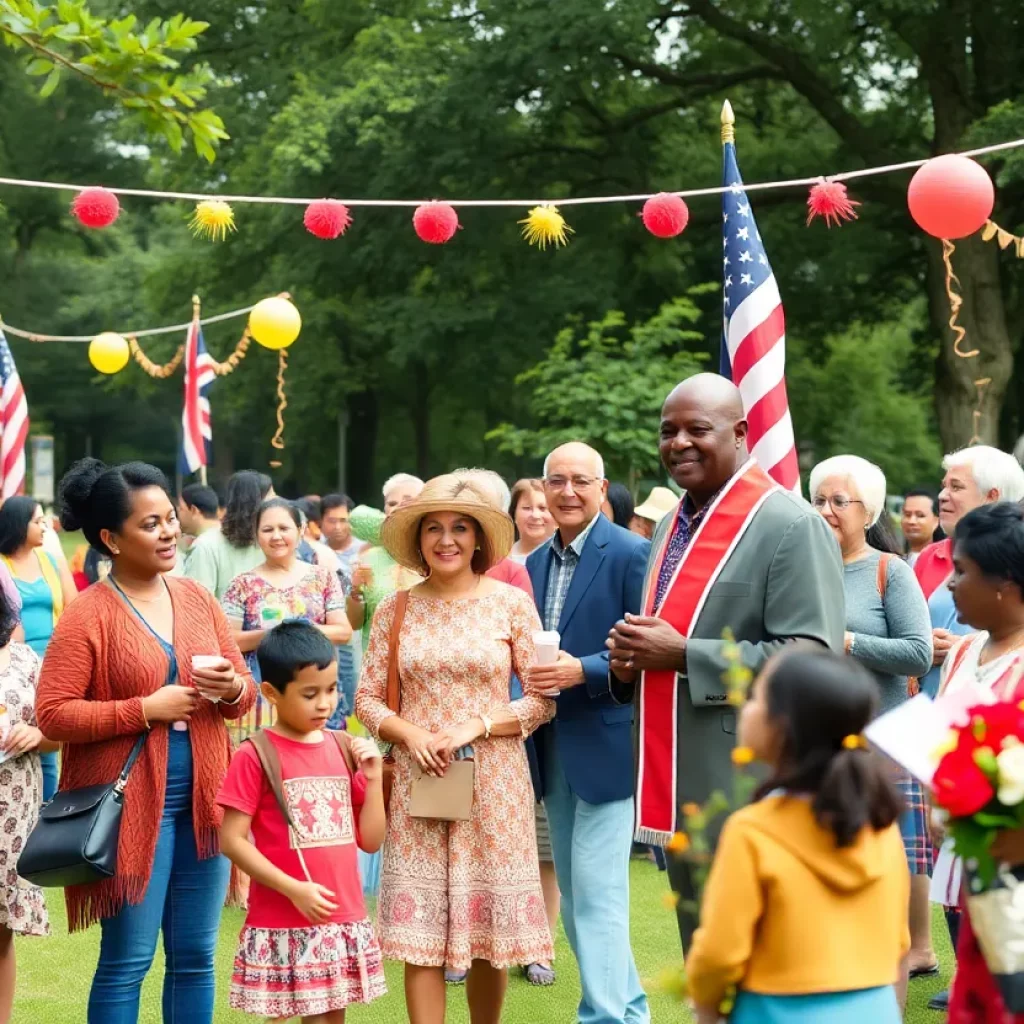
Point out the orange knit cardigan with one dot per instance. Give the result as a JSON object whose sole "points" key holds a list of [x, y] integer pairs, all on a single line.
{"points": [[99, 665]]}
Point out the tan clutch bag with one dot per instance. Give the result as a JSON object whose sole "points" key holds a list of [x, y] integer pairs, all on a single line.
{"points": [[448, 798]]}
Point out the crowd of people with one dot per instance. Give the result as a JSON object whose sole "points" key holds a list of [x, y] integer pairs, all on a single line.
{"points": [[500, 789]]}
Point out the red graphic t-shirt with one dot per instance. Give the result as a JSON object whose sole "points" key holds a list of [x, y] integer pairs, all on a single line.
{"points": [[324, 800]]}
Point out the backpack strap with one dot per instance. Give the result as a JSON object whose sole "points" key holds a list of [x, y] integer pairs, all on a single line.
{"points": [[271, 765], [883, 575], [344, 742]]}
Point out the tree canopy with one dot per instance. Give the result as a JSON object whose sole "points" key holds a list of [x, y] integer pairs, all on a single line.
{"points": [[417, 355]]}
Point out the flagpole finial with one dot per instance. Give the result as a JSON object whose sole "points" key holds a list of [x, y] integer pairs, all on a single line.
{"points": [[195, 305], [728, 123]]}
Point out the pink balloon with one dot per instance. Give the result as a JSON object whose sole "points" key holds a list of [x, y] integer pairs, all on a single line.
{"points": [[951, 196]]}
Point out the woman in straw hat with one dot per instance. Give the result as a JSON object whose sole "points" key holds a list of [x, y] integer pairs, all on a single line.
{"points": [[462, 894]]}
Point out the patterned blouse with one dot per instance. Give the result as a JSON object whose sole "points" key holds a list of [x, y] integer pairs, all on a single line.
{"points": [[315, 594]]}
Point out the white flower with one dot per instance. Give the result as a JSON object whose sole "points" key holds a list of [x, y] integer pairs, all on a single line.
{"points": [[1011, 775]]}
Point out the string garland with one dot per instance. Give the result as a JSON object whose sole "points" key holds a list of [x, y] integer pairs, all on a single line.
{"points": [[150, 332], [529, 203], [1003, 238]]}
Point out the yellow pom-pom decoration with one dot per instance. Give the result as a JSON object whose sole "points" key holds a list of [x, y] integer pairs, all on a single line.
{"points": [[108, 352], [275, 322], [213, 219], [678, 844], [545, 226]]}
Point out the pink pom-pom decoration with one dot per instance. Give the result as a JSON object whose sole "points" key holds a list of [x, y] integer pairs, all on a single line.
{"points": [[665, 215], [828, 199], [327, 218], [95, 207], [435, 223]]}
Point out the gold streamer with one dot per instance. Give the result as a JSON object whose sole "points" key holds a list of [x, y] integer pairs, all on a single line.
{"points": [[164, 371], [153, 369], [277, 441], [955, 302]]}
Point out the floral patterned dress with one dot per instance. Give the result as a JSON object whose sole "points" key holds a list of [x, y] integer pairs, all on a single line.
{"points": [[22, 908], [454, 892]]}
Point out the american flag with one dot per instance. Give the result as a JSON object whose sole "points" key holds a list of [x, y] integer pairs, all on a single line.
{"points": [[13, 424], [754, 334], [196, 432]]}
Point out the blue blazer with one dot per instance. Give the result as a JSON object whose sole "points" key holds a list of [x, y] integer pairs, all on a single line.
{"points": [[593, 735]]}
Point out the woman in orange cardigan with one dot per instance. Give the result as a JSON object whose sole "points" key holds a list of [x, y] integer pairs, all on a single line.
{"points": [[122, 662]]}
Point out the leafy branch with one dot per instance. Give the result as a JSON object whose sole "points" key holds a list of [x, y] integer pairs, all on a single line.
{"points": [[134, 66]]}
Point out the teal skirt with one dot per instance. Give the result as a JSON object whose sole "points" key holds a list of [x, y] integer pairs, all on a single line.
{"points": [[874, 1005]]}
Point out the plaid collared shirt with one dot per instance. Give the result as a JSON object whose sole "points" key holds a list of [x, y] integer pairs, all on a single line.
{"points": [[563, 567], [687, 521]]}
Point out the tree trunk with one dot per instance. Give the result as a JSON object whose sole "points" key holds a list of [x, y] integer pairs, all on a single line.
{"points": [[983, 316], [420, 410], [361, 445]]}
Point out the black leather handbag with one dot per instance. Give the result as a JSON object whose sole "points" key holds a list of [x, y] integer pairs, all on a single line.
{"points": [[75, 839]]}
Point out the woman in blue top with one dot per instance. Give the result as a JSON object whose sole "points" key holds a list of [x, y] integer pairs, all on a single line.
{"points": [[44, 587]]}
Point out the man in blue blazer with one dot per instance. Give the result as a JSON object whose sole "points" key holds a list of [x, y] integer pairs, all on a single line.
{"points": [[584, 580]]}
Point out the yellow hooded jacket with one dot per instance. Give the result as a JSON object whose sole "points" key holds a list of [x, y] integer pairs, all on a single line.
{"points": [[786, 912]]}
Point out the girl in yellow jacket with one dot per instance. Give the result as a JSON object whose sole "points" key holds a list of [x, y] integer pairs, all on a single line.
{"points": [[805, 909]]}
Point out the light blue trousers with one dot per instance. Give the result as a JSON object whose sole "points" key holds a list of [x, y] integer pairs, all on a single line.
{"points": [[591, 844]]}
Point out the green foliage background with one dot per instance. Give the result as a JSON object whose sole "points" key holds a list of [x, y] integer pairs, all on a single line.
{"points": [[484, 351]]}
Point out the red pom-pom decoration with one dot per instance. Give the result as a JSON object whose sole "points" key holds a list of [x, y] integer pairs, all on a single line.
{"points": [[951, 196], [665, 215], [327, 218], [96, 207], [828, 199], [435, 223]]}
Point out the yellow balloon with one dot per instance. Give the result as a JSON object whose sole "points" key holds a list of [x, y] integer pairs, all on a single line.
{"points": [[108, 352], [275, 323]]}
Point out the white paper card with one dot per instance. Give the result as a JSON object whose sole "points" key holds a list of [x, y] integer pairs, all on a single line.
{"points": [[911, 734]]}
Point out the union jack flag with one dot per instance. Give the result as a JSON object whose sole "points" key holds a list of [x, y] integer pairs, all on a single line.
{"points": [[13, 424], [754, 334], [196, 432]]}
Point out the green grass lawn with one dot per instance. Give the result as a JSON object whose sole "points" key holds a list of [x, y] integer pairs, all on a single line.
{"points": [[54, 974]]}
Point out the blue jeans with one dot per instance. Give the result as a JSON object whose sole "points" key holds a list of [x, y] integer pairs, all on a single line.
{"points": [[49, 763], [346, 686], [591, 844], [184, 899]]}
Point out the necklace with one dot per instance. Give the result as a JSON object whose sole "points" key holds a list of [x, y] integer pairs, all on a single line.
{"points": [[135, 597]]}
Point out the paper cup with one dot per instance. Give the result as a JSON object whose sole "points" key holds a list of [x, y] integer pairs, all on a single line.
{"points": [[546, 642], [206, 661]]}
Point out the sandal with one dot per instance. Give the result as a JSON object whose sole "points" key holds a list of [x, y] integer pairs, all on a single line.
{"points": [[538, 974], [924, 971]]}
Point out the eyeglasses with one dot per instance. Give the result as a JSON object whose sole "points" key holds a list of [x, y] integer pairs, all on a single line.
{"points": [[838, 502], [579, 483]]}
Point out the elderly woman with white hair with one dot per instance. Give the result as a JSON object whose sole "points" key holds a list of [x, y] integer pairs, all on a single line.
{"points": [[973, 477], [889, 632]]}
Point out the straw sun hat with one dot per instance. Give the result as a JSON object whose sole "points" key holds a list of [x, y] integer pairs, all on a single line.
{"points": [[659, 503], [400, 534]]}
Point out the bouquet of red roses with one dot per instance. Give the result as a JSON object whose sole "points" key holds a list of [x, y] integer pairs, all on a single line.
{"points": [[979, 783]]}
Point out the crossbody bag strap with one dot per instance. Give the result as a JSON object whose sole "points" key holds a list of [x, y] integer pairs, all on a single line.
{"points": [[883, 575], [394, 690], [133, 756]]}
